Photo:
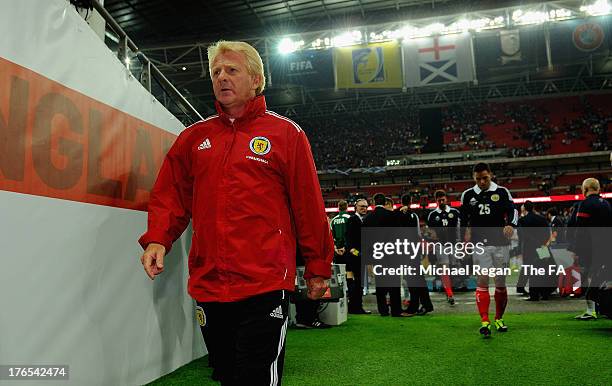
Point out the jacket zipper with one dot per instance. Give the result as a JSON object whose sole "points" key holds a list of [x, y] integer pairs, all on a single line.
{"points": [[225, 199]]}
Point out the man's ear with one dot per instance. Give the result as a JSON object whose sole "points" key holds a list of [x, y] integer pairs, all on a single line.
{"points": [[256, 81]]}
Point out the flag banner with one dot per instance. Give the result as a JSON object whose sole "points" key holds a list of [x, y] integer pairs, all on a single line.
{"points": [[577, 39], [510, 42], [505, 53], [312, 68], [368, 66], [438, 60]]}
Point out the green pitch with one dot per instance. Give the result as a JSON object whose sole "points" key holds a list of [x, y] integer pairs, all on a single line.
{"points": [[540, 348]]}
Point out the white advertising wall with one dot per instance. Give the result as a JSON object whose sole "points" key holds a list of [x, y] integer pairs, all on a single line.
{"points": [[80, 144]]}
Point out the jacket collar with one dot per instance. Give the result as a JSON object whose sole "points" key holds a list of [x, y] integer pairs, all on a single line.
{"points": [[255, 107], [447, 209], [492, 187]]}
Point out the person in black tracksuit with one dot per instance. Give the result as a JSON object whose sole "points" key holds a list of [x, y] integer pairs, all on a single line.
{"points": [[533, 233], [382, 217], [589, 240], [420, 302], [557, 227], [353, 258]]}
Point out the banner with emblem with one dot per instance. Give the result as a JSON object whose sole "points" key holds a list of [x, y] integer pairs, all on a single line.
{"points": [[438, 60], [510, 42], [368, 66], [578, 39], [313, 68], [502, 53]]}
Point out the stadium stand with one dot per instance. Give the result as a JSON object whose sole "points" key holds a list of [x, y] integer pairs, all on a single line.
{"points": [[536, 127]]}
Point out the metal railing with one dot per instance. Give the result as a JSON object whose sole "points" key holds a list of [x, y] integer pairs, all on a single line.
{"points": [[150, 72]]}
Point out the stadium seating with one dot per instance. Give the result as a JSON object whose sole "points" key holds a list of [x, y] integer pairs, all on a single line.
{"points": [[526, 128], [536, 127]]}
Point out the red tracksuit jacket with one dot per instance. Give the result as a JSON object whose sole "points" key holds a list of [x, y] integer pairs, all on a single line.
{"points": [[251, 189]]}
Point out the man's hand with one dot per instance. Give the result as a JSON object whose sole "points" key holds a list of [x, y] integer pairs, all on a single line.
{"points": [[317, 286], [340, 251], [354, 252], [433, 234], [153, 259], [553, 235], [508, 231]]}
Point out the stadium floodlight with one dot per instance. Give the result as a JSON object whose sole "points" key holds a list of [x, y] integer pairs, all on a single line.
{"points": [[321, 43], [406, 32], [462, 25], [560, 14], [317, 43], [457, 27], [598, 8], [347, 39], [382, 36], [520, 17], [435, 28], [486, 23], [376, 37], [287, 46], [409, 32]]}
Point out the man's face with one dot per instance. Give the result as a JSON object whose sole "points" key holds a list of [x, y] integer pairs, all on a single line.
{"points": [[389, 206], [361, 207], [232, 83], [441, 202], [483, 179]]}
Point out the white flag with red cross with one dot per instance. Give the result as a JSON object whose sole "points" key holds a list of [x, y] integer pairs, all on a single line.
{"points": [[438, 60]]}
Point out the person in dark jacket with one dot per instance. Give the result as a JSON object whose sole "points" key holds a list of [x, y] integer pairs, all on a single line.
{"points": [[382, 217], [534, 233], [557, 227], [589, 240], [353, 258], [420, 302]]}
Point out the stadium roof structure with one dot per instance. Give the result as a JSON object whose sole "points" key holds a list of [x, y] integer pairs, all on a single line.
{"points": [[174, 37], [153, 22]]}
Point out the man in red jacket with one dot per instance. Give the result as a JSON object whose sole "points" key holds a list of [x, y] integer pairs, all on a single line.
{"points": [[242, 262]]}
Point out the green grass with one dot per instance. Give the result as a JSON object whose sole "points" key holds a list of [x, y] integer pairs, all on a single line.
{"points": [[540, 348]]}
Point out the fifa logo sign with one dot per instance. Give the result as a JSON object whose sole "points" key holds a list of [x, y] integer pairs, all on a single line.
{"points": [[304, 65]]}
